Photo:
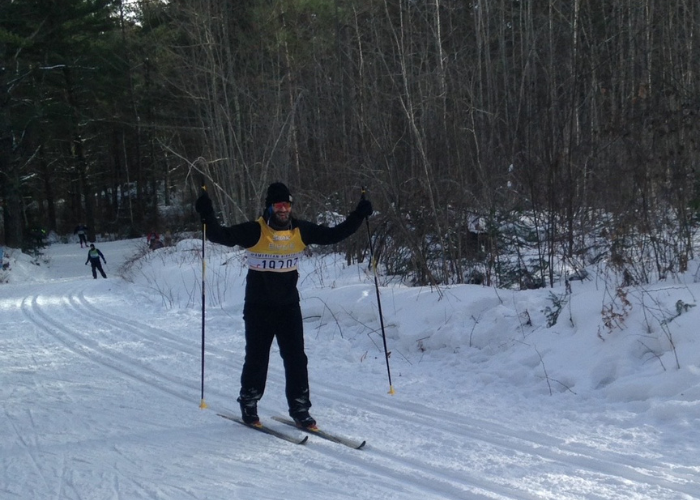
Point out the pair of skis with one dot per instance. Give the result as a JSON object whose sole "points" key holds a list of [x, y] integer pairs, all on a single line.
{"points": [[315, 431]]}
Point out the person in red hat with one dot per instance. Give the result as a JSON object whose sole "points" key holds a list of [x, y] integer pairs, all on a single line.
{"points": [[274, 244]]}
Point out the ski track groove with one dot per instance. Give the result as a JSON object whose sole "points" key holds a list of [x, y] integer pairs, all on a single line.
{"points": [[137, 484], [27, 449], [83, 345], [420, 473], [617, 466], [176, 342], [87, 348], [632, 468], [83, 306], [61, 479]]}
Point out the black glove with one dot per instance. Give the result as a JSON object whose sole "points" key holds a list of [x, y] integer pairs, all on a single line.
{"points": [[364, 208], [204, 206]]}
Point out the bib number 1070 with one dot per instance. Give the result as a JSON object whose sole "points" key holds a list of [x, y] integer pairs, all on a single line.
{"points": [[278, 264]]}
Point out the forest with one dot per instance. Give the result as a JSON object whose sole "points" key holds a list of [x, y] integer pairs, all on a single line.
{"points": [[503, 142]]}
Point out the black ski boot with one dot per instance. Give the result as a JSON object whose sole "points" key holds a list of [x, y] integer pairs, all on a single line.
{"points": [[249, 411], [303, 419]]}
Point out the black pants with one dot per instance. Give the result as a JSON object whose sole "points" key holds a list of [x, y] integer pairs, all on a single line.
{"points": [[262, 324], [83, 239], [97, 266]]}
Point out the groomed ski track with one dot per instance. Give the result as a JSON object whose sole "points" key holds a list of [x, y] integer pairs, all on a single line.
{"points": [[102, 394]]}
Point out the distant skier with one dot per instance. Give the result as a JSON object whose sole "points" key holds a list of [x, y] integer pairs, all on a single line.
{"points": [[94, 256], [81, 230], [153, 240]]}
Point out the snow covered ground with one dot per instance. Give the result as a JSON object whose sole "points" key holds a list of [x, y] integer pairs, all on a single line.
{"points": [[100, 386]]}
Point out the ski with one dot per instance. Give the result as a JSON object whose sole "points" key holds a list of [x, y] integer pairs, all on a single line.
{"points": [[266, 430], [357, 445]]}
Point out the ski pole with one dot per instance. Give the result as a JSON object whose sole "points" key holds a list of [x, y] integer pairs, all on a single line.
{"points": [[202, 404], [379, 300]]}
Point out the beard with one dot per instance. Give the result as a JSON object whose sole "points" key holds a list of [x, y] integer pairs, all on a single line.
{"points": [[276, 223]]}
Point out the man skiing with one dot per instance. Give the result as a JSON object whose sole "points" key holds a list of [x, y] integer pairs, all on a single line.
{"points": [[274, 245], [81, 230], [93, 258]]}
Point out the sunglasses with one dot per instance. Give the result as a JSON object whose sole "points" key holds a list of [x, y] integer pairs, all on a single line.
{"points": [[282, 205]]}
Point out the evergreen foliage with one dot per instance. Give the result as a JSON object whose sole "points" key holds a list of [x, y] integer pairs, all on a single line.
{"points": [[567, 129]]}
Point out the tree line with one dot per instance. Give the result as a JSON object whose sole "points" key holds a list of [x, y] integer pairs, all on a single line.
{"points": [[495, 138]]}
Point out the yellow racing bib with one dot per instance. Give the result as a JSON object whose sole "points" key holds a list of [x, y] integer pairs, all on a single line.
{"points": [[275, 251]]}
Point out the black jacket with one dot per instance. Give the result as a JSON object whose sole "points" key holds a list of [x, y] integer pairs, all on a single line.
{"points": [[277, 288], [96, 257]]}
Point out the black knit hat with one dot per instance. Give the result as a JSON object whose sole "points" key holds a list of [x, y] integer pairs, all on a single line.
{"points": [[277, 192]]}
